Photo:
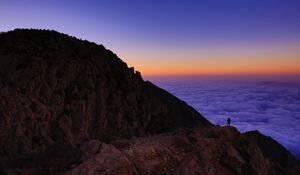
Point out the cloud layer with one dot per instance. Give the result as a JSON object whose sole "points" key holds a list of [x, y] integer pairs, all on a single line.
{"points": [[272, 108]]}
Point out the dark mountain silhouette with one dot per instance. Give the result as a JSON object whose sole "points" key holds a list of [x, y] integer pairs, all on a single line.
{"points": [[71, 106]]}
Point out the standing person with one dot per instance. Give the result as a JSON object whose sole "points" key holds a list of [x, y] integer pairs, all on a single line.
{"points": [[228, 121]]}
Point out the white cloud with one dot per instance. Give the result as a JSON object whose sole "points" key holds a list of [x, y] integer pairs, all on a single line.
{"points": [[273, 110]]}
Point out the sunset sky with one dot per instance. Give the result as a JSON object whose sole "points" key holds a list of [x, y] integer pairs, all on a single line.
{"points": [[176, 37]]}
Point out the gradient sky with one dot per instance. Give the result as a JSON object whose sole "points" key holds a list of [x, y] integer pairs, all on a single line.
{"points": [[176, 36]]}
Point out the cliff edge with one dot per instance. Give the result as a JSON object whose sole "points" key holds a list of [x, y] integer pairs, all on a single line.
{"points": [[72, 106]]}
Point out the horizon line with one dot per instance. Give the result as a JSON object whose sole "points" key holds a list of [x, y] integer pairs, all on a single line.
{"points": [[225, 74]]}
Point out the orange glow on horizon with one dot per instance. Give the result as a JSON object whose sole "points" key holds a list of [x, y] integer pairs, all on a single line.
{"points": [[226, 62], [217, 68], [215, 71]]}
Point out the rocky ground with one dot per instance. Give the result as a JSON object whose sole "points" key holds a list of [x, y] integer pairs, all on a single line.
{"points": [[203, 151]]}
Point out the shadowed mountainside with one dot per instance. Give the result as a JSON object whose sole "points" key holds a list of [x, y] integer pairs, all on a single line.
{"points": [[68, 104]]}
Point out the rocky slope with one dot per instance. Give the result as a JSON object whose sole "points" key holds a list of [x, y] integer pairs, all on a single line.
{"points": [[188, 151], [71, 106]]}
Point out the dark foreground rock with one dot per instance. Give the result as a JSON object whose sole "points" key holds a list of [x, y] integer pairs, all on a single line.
{"points": [[71, 106], [201, 151]]}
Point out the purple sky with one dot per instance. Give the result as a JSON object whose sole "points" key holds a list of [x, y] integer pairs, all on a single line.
{"points": [[176, 36]]}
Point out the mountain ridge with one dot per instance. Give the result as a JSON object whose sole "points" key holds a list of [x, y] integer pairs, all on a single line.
{"points": [[62, 98]]}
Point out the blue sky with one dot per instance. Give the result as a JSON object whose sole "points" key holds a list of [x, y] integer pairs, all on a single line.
{"points": [[146, 33]]}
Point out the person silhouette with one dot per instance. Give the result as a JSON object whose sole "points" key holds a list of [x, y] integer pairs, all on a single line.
{"points": [[228, 121]]}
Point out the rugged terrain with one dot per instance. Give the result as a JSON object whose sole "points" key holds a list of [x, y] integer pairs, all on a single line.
{"points": [[72, 106]]}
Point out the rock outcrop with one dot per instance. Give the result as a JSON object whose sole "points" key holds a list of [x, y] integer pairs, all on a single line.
{"points": [[71, 106], [206, 151], [202, 151]]}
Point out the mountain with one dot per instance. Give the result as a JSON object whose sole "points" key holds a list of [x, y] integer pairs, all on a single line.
{"points": [[69, 106]]}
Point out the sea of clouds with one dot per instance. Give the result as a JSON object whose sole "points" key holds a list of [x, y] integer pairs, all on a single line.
{"points": [[272, 107]]}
